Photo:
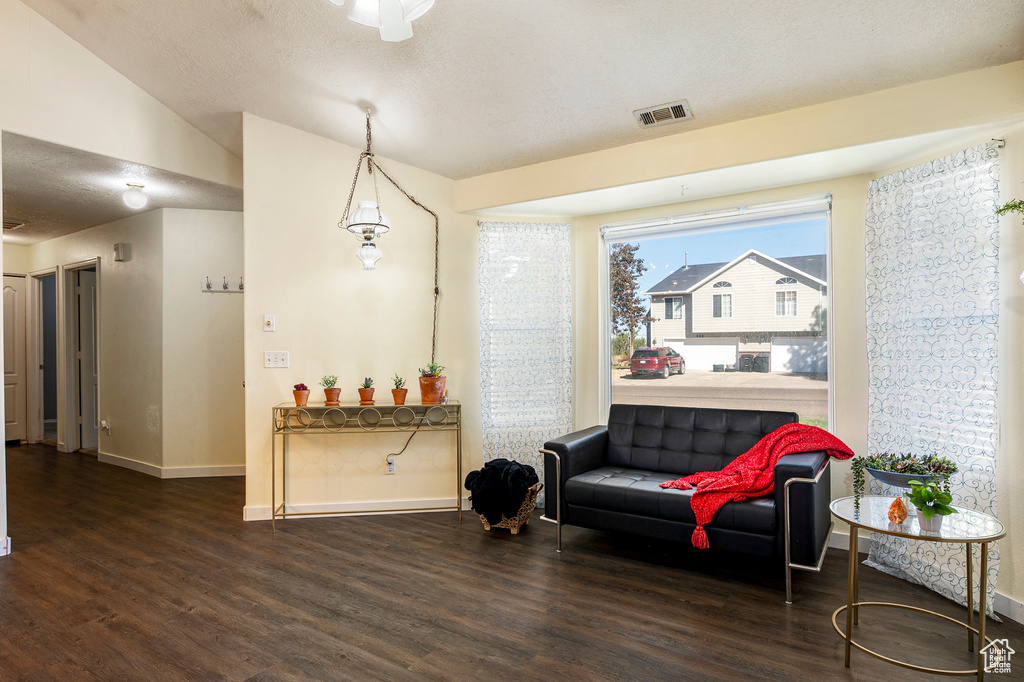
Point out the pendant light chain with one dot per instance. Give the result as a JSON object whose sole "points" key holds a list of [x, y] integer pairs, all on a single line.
{"points": [[371, 163]]}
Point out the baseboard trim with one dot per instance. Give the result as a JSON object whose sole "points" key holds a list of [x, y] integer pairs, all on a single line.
{"points": [[262, 513], [5, 547], [1003, 604], [171, 472]]}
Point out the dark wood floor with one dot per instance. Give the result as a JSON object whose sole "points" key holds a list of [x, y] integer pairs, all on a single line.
{"points": [[120, 576]]}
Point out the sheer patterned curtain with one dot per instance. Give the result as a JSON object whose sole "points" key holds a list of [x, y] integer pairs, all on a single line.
{"points": [[933, 315], [525, 338]]}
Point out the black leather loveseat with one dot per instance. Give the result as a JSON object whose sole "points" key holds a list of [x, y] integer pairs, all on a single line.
{"points": [[606, 478]]}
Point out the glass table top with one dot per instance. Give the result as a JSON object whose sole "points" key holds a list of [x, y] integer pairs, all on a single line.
{"points": [[965, 526]]}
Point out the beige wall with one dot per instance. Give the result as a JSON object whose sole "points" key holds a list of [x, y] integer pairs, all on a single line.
{"points": [[15, 258], [130, 299], [203, 398], [335, 318]]}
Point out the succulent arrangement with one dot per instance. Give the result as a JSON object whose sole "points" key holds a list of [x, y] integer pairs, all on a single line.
{"points": [[433, 371], [398, 381], [328, 380], [918, 465]]}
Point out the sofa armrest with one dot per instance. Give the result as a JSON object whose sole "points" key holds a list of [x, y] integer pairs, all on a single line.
{"points": [[579, 452], [810, 518]]}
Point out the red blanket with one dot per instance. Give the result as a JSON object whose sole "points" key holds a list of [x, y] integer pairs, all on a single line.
{"points": [[752, 474]]}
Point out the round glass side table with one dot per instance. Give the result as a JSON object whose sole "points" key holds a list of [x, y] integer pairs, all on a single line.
{"points": [[967, 527]]}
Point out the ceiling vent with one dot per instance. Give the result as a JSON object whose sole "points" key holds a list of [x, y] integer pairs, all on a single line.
{"points": [[13, 224], [663, 113]]}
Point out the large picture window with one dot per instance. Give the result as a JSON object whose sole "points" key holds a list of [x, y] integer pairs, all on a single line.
{"points": [[741, 295]]}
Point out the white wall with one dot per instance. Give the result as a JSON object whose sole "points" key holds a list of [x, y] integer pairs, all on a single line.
{"points": [[203, 398], [130, 334], [335, 318]]}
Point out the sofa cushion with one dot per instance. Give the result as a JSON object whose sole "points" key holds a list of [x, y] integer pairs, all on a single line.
{"points": [[635, 491], [685, 440]]}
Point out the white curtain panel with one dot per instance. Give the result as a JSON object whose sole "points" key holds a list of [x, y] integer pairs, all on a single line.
{"points": [[525, 338], [932, 316]]}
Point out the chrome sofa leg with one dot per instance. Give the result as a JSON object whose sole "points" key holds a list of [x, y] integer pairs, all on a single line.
{"points": [[558, 499], [788, 559]]}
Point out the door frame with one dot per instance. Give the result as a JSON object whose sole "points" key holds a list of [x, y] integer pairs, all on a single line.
{"points": [[69, 436], [35, 351]]}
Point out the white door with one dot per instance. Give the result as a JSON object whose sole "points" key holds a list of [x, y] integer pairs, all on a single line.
{"points": [[706, 353], [807, 355], [15, 384], [87, 358]]}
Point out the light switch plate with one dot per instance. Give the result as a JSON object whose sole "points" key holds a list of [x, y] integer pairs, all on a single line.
{"points": [[269, 323], [275, 358]]}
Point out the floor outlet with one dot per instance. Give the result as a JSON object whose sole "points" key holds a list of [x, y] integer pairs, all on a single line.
{"points": [[389, 466]]}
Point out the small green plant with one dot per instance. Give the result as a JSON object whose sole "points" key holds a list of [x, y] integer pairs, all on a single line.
{"points": [[328, 380], [367, 383], [433, 371], [930, 500], [931, 465], [399, 382], [1012, 206]]}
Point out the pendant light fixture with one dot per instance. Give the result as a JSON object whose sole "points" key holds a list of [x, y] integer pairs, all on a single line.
{"points": [[134, 197], [393, 18], [368, 222]]}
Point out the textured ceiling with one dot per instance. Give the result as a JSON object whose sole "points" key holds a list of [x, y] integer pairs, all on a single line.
{"points": [[57, 190], [485, 85]]}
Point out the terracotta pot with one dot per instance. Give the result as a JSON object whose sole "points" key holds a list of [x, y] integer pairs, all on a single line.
{"points": [[331, 396], [301, 397], [366, 396], [399, 395], [432, 390]]}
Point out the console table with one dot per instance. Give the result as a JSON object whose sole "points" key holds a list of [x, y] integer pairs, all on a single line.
{"points": [[348, 418], [965, 527]]}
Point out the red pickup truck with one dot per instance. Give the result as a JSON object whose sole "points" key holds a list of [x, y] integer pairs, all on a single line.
{"points": [[657, 361]]}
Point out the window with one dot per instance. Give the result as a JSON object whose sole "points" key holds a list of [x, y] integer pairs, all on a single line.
{"points": [[786, 280], [722, 285], [673, 308], [721, 304], [785, 304]]}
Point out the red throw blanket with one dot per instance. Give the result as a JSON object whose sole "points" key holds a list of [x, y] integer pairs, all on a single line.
{"points": [[752, 474]]}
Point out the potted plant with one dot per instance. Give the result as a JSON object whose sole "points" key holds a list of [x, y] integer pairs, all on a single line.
{"points": [[899, 469], [366, 392], [301, 394], [330, 392], [399, 391], [432, 384], [932, 504]]}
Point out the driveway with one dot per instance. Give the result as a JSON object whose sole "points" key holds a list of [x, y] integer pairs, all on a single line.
{"points": [[805, 394]]}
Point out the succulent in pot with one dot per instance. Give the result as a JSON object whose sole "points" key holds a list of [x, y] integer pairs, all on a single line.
{"points": [[301, 393], [899, 469], [399, 391], [932, 504], [433, 384], [366, 392], [330, 392]]}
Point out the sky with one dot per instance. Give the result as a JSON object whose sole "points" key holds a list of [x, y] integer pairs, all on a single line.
{"points": [[667, 254]]}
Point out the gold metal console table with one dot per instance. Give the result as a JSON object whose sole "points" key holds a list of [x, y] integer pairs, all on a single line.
{"points": [[349, 418]]}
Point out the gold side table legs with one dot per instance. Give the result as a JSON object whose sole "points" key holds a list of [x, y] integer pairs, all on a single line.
{"points": [[853, 605]]}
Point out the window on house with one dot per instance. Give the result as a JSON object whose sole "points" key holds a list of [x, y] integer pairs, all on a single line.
{"points": [[722, 285], [721, 305], [786, 280], [785, 303], [673, 308]]}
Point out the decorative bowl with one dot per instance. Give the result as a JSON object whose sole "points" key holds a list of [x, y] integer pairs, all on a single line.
{"points": [[903, 480]]}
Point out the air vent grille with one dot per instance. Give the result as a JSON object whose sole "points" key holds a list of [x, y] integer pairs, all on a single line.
{"points": [[13, 224], [663, 113]]}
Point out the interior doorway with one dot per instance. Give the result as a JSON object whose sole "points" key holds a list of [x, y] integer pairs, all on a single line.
{"points": [[77, 346], [46, 407]]}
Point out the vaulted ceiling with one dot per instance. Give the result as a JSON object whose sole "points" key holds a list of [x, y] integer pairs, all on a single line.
{"points": [[485, 85]]}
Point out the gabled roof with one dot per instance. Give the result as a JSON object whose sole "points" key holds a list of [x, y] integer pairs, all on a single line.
{"points": [[686, 279]]}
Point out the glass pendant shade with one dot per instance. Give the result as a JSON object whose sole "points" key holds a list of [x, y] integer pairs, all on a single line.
{"points": [[414, 9], [369, 254], [134, 197], [366, 12], [392, 17], [368, 221]]}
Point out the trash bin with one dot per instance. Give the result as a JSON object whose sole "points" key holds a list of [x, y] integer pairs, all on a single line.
{"points": [[746, 362], [718, 368], [762, 362]]}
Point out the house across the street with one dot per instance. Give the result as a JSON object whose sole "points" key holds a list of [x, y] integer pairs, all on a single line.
{"points": [[755, 313]]}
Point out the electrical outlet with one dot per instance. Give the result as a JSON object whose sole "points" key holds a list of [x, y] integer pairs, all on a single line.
{"points": [[269, 323], [275, 358], [389, 466]]}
